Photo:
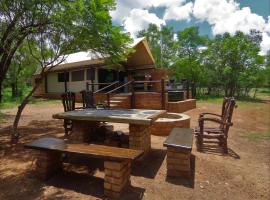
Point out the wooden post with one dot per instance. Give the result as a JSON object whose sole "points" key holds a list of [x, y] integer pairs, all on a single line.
{"points": [[187, 88], [132, 103], [108, 99], [66, 81], [93, 87], [162, 82]]}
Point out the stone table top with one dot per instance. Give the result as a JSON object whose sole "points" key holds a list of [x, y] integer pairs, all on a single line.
{"points": [[131, 116]]}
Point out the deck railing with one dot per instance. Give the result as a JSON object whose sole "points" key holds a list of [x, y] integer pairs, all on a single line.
{"points": [[118, 88]]}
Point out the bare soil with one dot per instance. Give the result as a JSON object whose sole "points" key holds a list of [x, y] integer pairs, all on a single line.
{"points": [[242, 174]]}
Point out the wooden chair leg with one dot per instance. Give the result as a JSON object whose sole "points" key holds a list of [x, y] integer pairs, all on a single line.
{"points": [[199, 142], [225, 147]]}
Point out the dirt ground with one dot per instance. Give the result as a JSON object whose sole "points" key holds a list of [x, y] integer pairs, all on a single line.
{"points": [[242, 174]]}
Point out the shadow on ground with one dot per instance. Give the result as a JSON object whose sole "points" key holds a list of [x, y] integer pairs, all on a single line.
{"points": [[186, 182], [150, 165], [217, 150]]}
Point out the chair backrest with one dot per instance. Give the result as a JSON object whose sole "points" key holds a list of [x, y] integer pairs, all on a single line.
{"points": [[228, 113], [68, 100], [88, 99], [225, 104]]}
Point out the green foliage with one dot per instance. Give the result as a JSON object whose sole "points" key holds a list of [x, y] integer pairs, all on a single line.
{"points": [[160, 42], [59, 27], [225, 65]]}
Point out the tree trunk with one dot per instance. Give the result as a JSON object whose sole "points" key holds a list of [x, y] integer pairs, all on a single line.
{"points": [[193, 90], [13, 90], [1, 91], [14, 132], [255, 92]]}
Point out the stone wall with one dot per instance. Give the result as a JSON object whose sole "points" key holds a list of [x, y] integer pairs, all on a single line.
{"points": [[148, 100], [164, 125], [181, 106]]}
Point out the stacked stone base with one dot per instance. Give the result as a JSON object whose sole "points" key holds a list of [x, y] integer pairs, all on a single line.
{"points": [[81, 131], [140, 138], [47, 164], [117, 177], [178, 162]]}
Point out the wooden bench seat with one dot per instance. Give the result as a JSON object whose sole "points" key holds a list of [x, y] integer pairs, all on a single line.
{"points": [[179, 147], [117, 161]]}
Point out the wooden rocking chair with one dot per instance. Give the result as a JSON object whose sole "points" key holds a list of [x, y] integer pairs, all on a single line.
{"points": [[68, 100], [225, 105], [221, 132]]}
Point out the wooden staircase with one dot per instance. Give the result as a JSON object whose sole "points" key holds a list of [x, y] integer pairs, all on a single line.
{"points": [[121, 100]]}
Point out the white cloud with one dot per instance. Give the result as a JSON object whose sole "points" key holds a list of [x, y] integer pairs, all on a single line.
{"points": [[265, 45], [222, 15], [124, 7], [179, 12], [140, 19], [226, 16]]}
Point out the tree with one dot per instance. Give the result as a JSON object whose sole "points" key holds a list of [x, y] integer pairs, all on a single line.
{"points": [[187, 62], [54, 29], [22, 67], [83, 24], [160, 42], [237, 61]]}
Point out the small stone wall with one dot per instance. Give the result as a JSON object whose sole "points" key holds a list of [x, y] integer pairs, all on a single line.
{"points": [[181, 106], [164, 125], [178, 162], [148, 100], [117, 177]]}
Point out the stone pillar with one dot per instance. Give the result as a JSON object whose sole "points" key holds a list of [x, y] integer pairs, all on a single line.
{"points": [[140, 138], [178, 162], [47, 164], [117, 177], [81, 131]]}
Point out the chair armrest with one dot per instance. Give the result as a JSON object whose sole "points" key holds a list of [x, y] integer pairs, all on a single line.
{"points": [[203, 114], [203, 119]]}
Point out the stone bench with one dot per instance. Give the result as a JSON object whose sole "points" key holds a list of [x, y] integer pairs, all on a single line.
{"points": [[179, 146], [117, 161]]}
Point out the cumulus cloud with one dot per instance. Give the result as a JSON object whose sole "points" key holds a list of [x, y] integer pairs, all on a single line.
{"points": [[124, 7], [179, 12], [139, 19], [222, 15], [226, 16]]}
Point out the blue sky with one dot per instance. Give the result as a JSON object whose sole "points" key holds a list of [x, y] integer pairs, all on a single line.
{"points": [[211, 16]]}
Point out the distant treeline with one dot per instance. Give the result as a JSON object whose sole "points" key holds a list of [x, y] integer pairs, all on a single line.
{"points": [[227, 64]]}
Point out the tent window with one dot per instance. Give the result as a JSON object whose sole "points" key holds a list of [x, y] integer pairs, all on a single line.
{"points": [[77, 75], [64, 76], [90, 74]]}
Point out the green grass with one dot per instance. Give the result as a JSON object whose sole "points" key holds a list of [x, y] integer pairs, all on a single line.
{"points": [[262, 94], [256, 136], [10, 102]]}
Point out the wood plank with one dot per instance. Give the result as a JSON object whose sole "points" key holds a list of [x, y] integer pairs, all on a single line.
{"points": [[89, 150], [180, 138], [133, 116]]}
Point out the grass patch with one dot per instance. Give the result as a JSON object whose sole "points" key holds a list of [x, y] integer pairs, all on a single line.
{"points": [[255, 136], [11, 102]]}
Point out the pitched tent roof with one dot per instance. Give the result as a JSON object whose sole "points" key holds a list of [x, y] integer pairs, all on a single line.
{"points": [[142, 57]]}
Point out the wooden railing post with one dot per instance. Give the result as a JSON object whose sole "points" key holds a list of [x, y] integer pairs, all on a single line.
{"points": [[162, 82], [187, 88], [108, 100], [132, 100], [93, 87]]}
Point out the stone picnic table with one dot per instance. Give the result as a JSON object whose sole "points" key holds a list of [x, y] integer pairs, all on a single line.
{"points": [[86, 121]]}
